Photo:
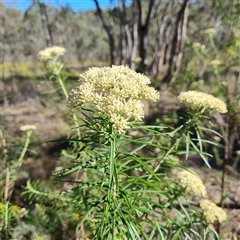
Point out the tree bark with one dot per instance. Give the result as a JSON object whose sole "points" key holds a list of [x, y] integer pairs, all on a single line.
{"points": [[108, 31], [161, 49], [133, 53], [46, 26], [178, 43], [143, 33], [123, 34]]}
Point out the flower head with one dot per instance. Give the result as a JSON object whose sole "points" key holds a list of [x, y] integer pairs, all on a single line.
{"points": [[203, 47], [116, 92], [51, 53], [215, 62], [197, 45], [210, 31], [198, 100], [25, 128], [192, 183], [212, 212]]}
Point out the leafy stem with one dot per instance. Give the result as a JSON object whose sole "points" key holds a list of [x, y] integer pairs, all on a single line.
{"points": [[28, 135]]}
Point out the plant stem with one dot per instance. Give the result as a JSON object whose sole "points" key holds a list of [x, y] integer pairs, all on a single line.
{"points": [[66, 96], [28, 135], [6, 215], [113, 171], [7, 179], [63, 87], [113, 179], [4, 148]]}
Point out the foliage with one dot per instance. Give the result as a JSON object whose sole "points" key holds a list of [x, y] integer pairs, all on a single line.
{"points": [[128, 189], [214, 66], [11, 214], [125, 185]]}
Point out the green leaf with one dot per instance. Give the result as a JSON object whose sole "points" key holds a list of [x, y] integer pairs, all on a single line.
{"points": [[145, 166], [188, 140], [176, 235], [211, 130], [199, 141], [85, 216], [160, 231]]}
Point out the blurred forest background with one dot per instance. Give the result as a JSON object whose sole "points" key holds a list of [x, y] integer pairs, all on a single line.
{"points": [[150, 36], [181, 45]]}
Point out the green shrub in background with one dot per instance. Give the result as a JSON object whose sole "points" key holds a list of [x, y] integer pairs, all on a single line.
{"points": [[10, 215], [124, 179], [209, 66]]}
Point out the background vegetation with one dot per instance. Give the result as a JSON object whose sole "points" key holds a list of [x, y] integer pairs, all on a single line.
{"points": [[181, 45]]}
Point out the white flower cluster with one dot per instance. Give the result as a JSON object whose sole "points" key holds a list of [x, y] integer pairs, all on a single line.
{"points": [[25, 128], [215, 62], [51, 53], [212, 212], [116, 92], [199, 45], [210, 31], [192, 183], [198, 100]]}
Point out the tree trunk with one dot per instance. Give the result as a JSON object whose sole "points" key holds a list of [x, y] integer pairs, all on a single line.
{"points": [[133, 53], [123, 34], [143, 33], [163, 38], [178, 43], [46, 26], [108, 31]]}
